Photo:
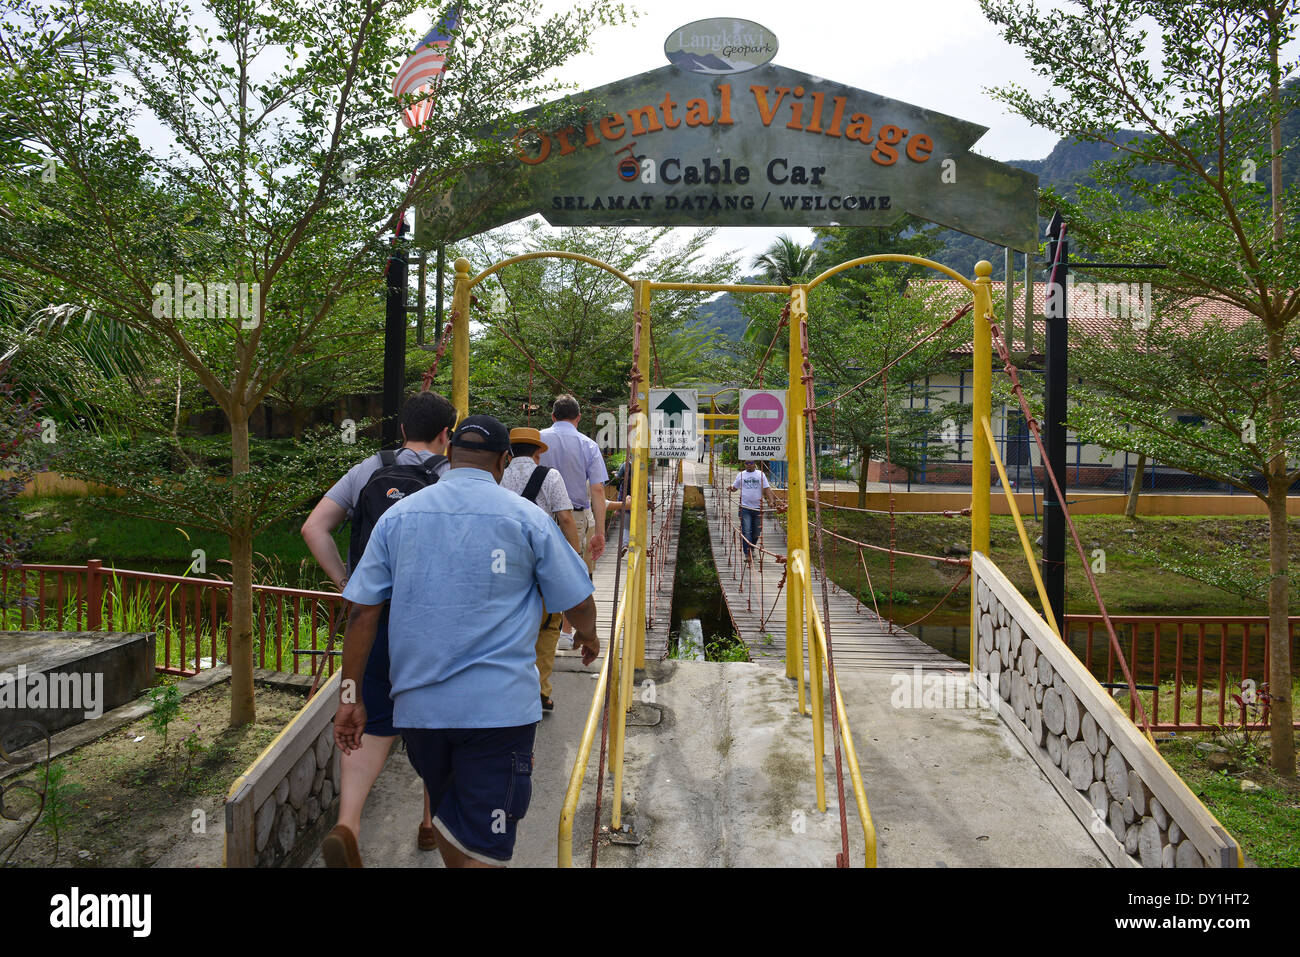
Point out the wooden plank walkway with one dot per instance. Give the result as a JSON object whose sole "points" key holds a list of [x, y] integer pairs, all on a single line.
{"points": [[756, 598], [660, 596], [662, 599]]}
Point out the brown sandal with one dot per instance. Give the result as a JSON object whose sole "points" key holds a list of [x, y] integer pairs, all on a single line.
{"points": [[340, 848]]}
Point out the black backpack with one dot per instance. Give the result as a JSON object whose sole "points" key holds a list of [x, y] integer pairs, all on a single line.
{"points": [[535, 480], [390, 484]]}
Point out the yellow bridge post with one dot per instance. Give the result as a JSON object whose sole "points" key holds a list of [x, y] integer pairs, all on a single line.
{"points": [[980, 485], [460, 340], [796, 521], [713, 409], [633, 644]]}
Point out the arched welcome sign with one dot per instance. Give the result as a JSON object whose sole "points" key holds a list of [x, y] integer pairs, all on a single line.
{"points": [[768, 146]]}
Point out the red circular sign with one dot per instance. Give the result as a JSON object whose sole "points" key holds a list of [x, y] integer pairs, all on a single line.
{"points": [[762, 413]]}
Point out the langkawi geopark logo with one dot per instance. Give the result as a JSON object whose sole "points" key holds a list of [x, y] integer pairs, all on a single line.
{"points": [[722, 45]]}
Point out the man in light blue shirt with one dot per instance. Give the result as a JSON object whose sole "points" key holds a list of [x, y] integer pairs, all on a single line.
{"points": [[465, 566], [578, 460]]}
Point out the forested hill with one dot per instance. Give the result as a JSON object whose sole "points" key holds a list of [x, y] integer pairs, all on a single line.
{"points": [[1068, 165]]}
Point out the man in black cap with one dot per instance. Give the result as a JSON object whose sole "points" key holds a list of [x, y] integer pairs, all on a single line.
{"points": [[465, 566]]}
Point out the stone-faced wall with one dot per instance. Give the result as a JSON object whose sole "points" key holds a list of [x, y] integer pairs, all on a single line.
{"points": [[1136, 807], [279, 809]]}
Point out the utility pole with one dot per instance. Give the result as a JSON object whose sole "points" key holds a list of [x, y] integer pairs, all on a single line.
{"points": [[394, 338], [1056, 372]]}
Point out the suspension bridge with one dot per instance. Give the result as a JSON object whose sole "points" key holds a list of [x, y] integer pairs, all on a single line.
{"points": [[871, 748], [754, 591]]}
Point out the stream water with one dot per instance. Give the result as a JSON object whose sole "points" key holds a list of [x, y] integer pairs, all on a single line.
{"points": [[696, 593]]}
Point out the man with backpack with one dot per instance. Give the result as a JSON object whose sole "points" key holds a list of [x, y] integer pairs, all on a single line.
{"points": [[363, 495], [545, 488]]}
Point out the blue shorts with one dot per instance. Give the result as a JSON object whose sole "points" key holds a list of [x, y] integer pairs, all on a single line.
{"points": [[479, 782], [376, 686]]}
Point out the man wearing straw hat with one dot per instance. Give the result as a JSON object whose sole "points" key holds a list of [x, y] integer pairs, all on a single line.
{"points": [[545, 488]]}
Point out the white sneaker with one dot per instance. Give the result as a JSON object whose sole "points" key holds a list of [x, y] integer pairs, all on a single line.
{"points": [[566, 641]]}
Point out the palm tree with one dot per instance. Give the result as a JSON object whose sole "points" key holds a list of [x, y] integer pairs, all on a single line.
{"points": [[785, 261]]}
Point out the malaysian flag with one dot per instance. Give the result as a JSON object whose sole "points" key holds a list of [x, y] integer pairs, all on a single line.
{"points": [[420, 74]]}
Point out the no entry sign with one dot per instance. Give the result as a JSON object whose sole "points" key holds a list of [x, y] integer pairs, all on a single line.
{"points": [[762, 425]]}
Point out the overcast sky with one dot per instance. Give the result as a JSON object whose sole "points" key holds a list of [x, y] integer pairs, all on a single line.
{"points": [[937, 54]]}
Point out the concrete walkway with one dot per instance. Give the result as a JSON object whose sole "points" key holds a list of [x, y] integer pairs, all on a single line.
{"points": [[392, 814], [725, 779], [719, 774]]}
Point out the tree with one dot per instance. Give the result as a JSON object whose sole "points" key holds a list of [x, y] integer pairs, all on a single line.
{"points": [[554, 325], [21, 456], [785, 262], [1208, 103], [61, 354], [278, 191], [848, 348], [909, 236], [345, 358]]}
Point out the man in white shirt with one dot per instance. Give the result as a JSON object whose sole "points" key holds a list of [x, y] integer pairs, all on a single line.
{"points": [[754, 488], [550, 495], [580, 464]]}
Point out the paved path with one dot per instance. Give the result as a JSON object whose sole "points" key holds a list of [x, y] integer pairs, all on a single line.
{"points": [[719, 773], [719, 768]]}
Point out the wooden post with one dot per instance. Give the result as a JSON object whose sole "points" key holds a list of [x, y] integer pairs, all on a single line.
{"points": [[1009, 319], [1029, 305], [94, 594]]}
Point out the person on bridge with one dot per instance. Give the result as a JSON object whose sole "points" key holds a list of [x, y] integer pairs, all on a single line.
{"points": [[465, 567], [426, 421], [754, 488], [578, 460], [544, 488]]}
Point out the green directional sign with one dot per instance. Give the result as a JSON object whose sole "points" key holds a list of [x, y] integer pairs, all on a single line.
{"points": [[673, 422], [767, 146], [673, 406]]}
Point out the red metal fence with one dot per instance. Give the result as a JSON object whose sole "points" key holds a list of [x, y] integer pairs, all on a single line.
{"points": [[1187, 667], [292, 627]]}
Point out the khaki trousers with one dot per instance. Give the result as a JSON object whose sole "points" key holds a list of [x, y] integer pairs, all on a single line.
{"points": [[586, 523], [548, 635]]}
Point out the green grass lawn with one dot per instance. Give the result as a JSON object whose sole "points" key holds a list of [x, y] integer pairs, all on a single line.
{"points": [[142, 545], [1265, 822], [1131, 584]]}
